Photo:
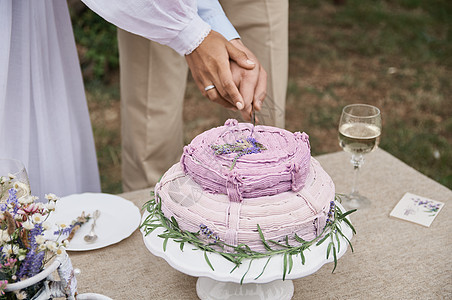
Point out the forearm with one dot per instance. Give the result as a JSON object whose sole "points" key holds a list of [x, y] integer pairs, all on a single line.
{"points": [[174, 23]]}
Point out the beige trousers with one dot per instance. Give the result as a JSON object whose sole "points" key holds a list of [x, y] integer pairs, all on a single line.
{"points": [[153, 81]]}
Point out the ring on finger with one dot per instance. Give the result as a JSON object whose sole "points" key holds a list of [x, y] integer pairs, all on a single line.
{"points": [[209, 87]]}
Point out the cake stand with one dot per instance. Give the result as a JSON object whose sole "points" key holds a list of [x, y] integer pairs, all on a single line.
{"points": [[220, 283]]}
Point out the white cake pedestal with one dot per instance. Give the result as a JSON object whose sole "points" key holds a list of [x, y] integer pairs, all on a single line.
{"points": [[209, 289], [220, 283]]}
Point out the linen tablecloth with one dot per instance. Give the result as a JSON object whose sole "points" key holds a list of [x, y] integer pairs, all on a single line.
{"points": [[393, 259]]}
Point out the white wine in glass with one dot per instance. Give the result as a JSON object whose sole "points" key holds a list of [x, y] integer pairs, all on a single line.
{"points": [[359, 134]]}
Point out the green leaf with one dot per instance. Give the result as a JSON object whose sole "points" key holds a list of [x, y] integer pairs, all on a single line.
{"points": [[322, 240], [244, 248], [164, 244], [147, 205], [233, 269], [279, 244], [243, 277], [263, 238], [303, 259], [227, 256], [171, 235], [335, 259], [150, 229], [263, 270], [181, 246], [175, 224], [342, 216], [190, 234], [299, 239], [285, 266], [208, 261], [348, 241], [290, 263], [338, 243], [329, 250], [350, 225], [148, 219]]}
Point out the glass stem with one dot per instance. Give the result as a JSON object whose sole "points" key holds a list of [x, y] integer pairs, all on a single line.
{"points": [[357, 161]]}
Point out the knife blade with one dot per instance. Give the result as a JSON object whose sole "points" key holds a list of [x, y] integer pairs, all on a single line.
{"points": [[254, 117]]}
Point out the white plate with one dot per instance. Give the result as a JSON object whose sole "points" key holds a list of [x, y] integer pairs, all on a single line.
{"points": [[118, 219]]}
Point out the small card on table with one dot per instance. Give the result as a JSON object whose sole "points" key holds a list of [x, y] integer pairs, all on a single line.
{"points": [[417, 209]]}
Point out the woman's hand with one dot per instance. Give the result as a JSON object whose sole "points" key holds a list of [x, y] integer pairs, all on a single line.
{"points": [[219, 63]]}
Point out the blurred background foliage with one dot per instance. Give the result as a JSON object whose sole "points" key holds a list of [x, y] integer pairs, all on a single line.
{"points": [[395, 54], [96, 43]]}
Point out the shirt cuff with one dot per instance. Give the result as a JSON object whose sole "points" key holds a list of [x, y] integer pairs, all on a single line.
{"points": [[191, 36], [220, 23]]}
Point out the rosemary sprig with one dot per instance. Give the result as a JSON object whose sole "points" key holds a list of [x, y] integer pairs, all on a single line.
{"points": [[331, 233]]}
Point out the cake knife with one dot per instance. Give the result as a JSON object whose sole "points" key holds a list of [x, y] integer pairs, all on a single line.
{"points": [[254, 117]]}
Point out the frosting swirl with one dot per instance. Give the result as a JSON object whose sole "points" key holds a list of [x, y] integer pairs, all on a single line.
{"points": [[282, 166]]}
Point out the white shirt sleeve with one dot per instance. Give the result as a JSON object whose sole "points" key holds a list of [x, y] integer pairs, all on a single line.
{"points": [[212, 12], [175, 23]]}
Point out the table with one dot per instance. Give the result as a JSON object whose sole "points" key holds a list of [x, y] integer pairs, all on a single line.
{"points": [[393, 259]]}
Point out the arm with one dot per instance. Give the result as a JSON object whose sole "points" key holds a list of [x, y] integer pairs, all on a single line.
{"points": [[175, 23], [210, 63], [251, 83]]}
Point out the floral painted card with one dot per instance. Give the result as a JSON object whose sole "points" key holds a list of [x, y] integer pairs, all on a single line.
{"points": [[417, 209]]}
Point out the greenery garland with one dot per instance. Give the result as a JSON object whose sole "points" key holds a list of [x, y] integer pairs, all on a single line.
{"points": [[332, 231]]}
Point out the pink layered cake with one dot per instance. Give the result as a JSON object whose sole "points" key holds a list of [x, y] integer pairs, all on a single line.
{"points": [[235, 177]]}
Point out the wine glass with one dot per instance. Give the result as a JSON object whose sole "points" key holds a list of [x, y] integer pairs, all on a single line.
{"points": [[13, 174], [359, 134]]}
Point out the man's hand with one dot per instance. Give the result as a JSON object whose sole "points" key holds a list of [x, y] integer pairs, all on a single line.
{"points": [[252, 83], [210, 65]]}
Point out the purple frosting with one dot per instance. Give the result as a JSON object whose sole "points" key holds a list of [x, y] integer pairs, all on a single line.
{"points": [[282, 166]]}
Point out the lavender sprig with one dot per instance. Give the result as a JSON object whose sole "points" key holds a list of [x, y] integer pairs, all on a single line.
{"points": [[12, 200], [330, 218], [208, 233], [241, 147], [82, 219], [31, 265]]}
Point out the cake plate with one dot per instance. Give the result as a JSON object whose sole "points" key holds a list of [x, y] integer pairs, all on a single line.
{"points": [[223, 284]]}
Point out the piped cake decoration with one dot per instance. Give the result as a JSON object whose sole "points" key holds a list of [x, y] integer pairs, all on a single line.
{"points": [[277, 160]]}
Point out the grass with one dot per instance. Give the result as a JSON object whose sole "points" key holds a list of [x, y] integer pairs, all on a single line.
{"points": [[392, 54], [103, 104]]}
